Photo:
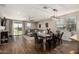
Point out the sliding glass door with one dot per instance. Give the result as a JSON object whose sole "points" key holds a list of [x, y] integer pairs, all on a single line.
{"points": [[17, 28]]}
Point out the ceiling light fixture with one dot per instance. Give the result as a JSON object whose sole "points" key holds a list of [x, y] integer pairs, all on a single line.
{"points": [[54, 12], [30, 18]]}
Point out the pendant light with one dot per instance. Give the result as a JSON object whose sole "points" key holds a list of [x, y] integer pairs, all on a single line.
{"points": [[54, 12]]}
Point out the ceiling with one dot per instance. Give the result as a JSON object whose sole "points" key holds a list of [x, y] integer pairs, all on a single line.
{"points": [[34, 12]]}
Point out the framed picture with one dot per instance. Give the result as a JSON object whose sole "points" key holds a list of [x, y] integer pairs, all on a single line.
{"points": [[46, 24], [39, 25]]}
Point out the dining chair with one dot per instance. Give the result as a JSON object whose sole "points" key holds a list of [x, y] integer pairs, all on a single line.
{"points": [[38, 41], [53, 40], [48, 42], [60, 40], [35, 37]]}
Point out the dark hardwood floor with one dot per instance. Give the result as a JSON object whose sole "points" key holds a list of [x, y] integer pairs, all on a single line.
{"points": [[26, 45]]}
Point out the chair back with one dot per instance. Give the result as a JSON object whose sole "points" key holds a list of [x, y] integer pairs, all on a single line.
{"points": [[61, 34], [53, 37], [35, 36]]}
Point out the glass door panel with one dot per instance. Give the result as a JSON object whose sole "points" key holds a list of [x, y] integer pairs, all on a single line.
{"points": [[17, 29]]}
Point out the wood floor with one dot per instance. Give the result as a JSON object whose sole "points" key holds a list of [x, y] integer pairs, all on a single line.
{"points": [[26, 45]]}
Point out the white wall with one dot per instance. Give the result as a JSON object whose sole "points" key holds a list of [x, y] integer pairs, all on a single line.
{"points": [[52, 23], [78, 28]]}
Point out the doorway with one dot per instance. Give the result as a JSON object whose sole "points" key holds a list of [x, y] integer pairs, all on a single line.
{"points": [[17, 28]]}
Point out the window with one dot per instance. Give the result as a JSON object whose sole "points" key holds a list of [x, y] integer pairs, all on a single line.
{"points": [[39, 25], [28, 25], [71, 23], [60, 23], [46, 24]]}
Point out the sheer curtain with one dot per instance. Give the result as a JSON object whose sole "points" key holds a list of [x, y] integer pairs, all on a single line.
{"points": [[10, 27], [23, 28]]}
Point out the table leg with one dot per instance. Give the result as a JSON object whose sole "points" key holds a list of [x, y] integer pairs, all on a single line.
{"points": [[44, 45]]}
